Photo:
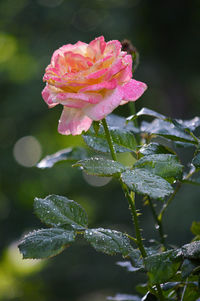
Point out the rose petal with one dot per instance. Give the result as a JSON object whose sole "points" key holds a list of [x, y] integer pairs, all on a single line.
{"points": [[116, 67], [49, 96], [110, 101], [98, 45], [112, 84], [97, 74], [73, 122], [73, 103], [85, 97], [79, 47], [113, 47], [126, 74], [132, 90]]}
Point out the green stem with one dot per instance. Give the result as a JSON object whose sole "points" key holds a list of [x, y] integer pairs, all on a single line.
{"points": [[158, 221], [109, 139], [132, 238], [133, 112], [193, 136], [130, 197], [131, 201]]}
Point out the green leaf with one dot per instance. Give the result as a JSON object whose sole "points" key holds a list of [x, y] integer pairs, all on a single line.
{"points": [[167, 130], [136, 258], [68, 154], [45, 243], [124, 297], [155, 148], [161, 267], [128, 266], [188, 267], [192, 292], [123, 140], [118, 122], [191, 124], [96, 126], [144, 182], [101, 167], [59, 211], [163, 165], [142, 288], [192, 250], [148, 112], [136, 263], [194, 179], [149, 297], [108, 241], [170, 285], [195, 228], [196, 160]]}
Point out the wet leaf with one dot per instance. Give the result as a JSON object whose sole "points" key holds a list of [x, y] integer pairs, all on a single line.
{"points": [[108, 241], [128, 266], [124, 297], [142, 288], [194, 179], [163, 165], [196, 160], [57, 211], [155, 148], [168, 130], [161, 267], [170, 285], [120, 123], [96, 126], [101, 167], [148, 112], [45, 243], [192, 250], [68, 154], [123, 140], [191, 124], [188, 267], [149, 297], [195, 228], [145, 182], [192, 292]]}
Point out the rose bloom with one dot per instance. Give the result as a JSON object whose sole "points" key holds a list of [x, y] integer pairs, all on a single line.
{"points": [[90, 81]]}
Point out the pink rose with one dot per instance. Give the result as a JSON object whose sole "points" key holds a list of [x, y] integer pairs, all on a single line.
{"points": [[90, 81]]}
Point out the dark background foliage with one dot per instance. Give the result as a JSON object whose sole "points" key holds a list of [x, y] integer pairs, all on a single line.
{"points": [[166, 34]]}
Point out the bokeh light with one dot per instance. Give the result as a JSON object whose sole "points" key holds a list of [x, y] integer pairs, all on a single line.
{"points": [[8, 46], [27, 151], [21, 67], [22, 266]]}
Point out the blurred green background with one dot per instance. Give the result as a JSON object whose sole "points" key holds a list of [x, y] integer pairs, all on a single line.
{"points": [[166, 33]]}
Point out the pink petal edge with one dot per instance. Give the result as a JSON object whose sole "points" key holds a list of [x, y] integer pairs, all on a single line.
{"points": [[132, 90], [49, 97], [73, 122]]}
